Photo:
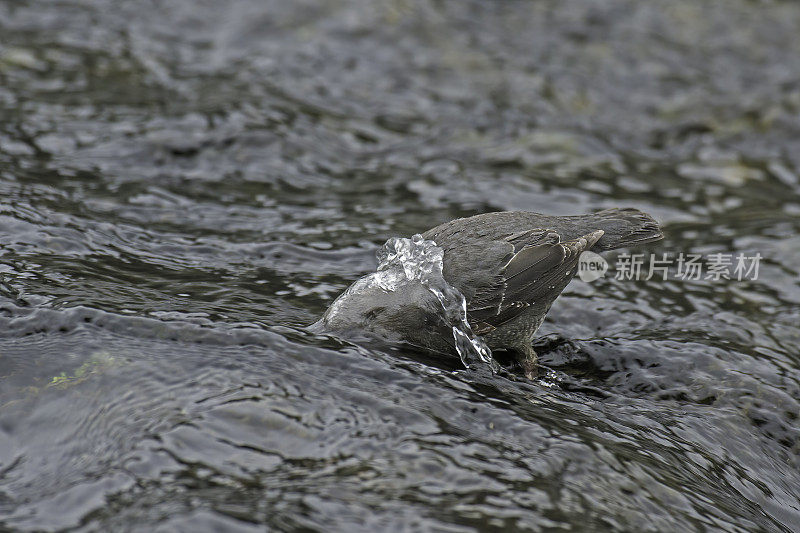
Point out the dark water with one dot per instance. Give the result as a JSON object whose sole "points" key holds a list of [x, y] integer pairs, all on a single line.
{"points": [[184, 185]]}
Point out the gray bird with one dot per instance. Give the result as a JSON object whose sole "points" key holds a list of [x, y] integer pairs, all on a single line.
{"points": [[510, 266]]}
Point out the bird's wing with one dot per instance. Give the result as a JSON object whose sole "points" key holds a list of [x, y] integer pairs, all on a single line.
{"points": [[535, 271]]}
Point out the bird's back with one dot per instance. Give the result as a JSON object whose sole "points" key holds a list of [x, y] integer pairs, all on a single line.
{"points": [[621, 227], [509, 263]]}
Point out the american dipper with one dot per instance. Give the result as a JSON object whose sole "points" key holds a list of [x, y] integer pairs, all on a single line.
{"points": [[510, 266]]}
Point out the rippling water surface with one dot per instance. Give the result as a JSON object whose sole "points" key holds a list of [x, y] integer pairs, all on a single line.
{"points": [[185, 185]]}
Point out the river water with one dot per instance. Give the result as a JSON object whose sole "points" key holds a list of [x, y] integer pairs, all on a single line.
{"points": [[186, 185]]}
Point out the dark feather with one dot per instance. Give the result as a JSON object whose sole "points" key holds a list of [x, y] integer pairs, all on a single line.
{"points": [[534, 276], [508, 263]]}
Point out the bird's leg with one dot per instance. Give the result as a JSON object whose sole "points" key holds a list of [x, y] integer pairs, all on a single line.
{"points": [[528, 359]]}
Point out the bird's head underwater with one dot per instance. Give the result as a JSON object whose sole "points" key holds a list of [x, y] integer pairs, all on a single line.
{"points": [[408, 313], [406, 300]]}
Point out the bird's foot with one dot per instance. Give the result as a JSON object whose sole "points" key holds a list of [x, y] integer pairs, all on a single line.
{"points": [[529, 362]]}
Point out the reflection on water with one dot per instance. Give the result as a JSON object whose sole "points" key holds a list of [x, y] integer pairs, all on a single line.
{"points": [[186, 185]]}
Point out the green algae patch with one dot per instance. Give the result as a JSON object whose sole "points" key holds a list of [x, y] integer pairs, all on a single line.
{"points": [[97, 363]]}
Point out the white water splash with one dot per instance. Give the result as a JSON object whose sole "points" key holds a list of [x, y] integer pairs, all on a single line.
{"points": [[404, 261], [422, 260]]}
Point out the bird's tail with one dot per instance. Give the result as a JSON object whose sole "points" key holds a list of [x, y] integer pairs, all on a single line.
{"points": [[625, 227]]}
